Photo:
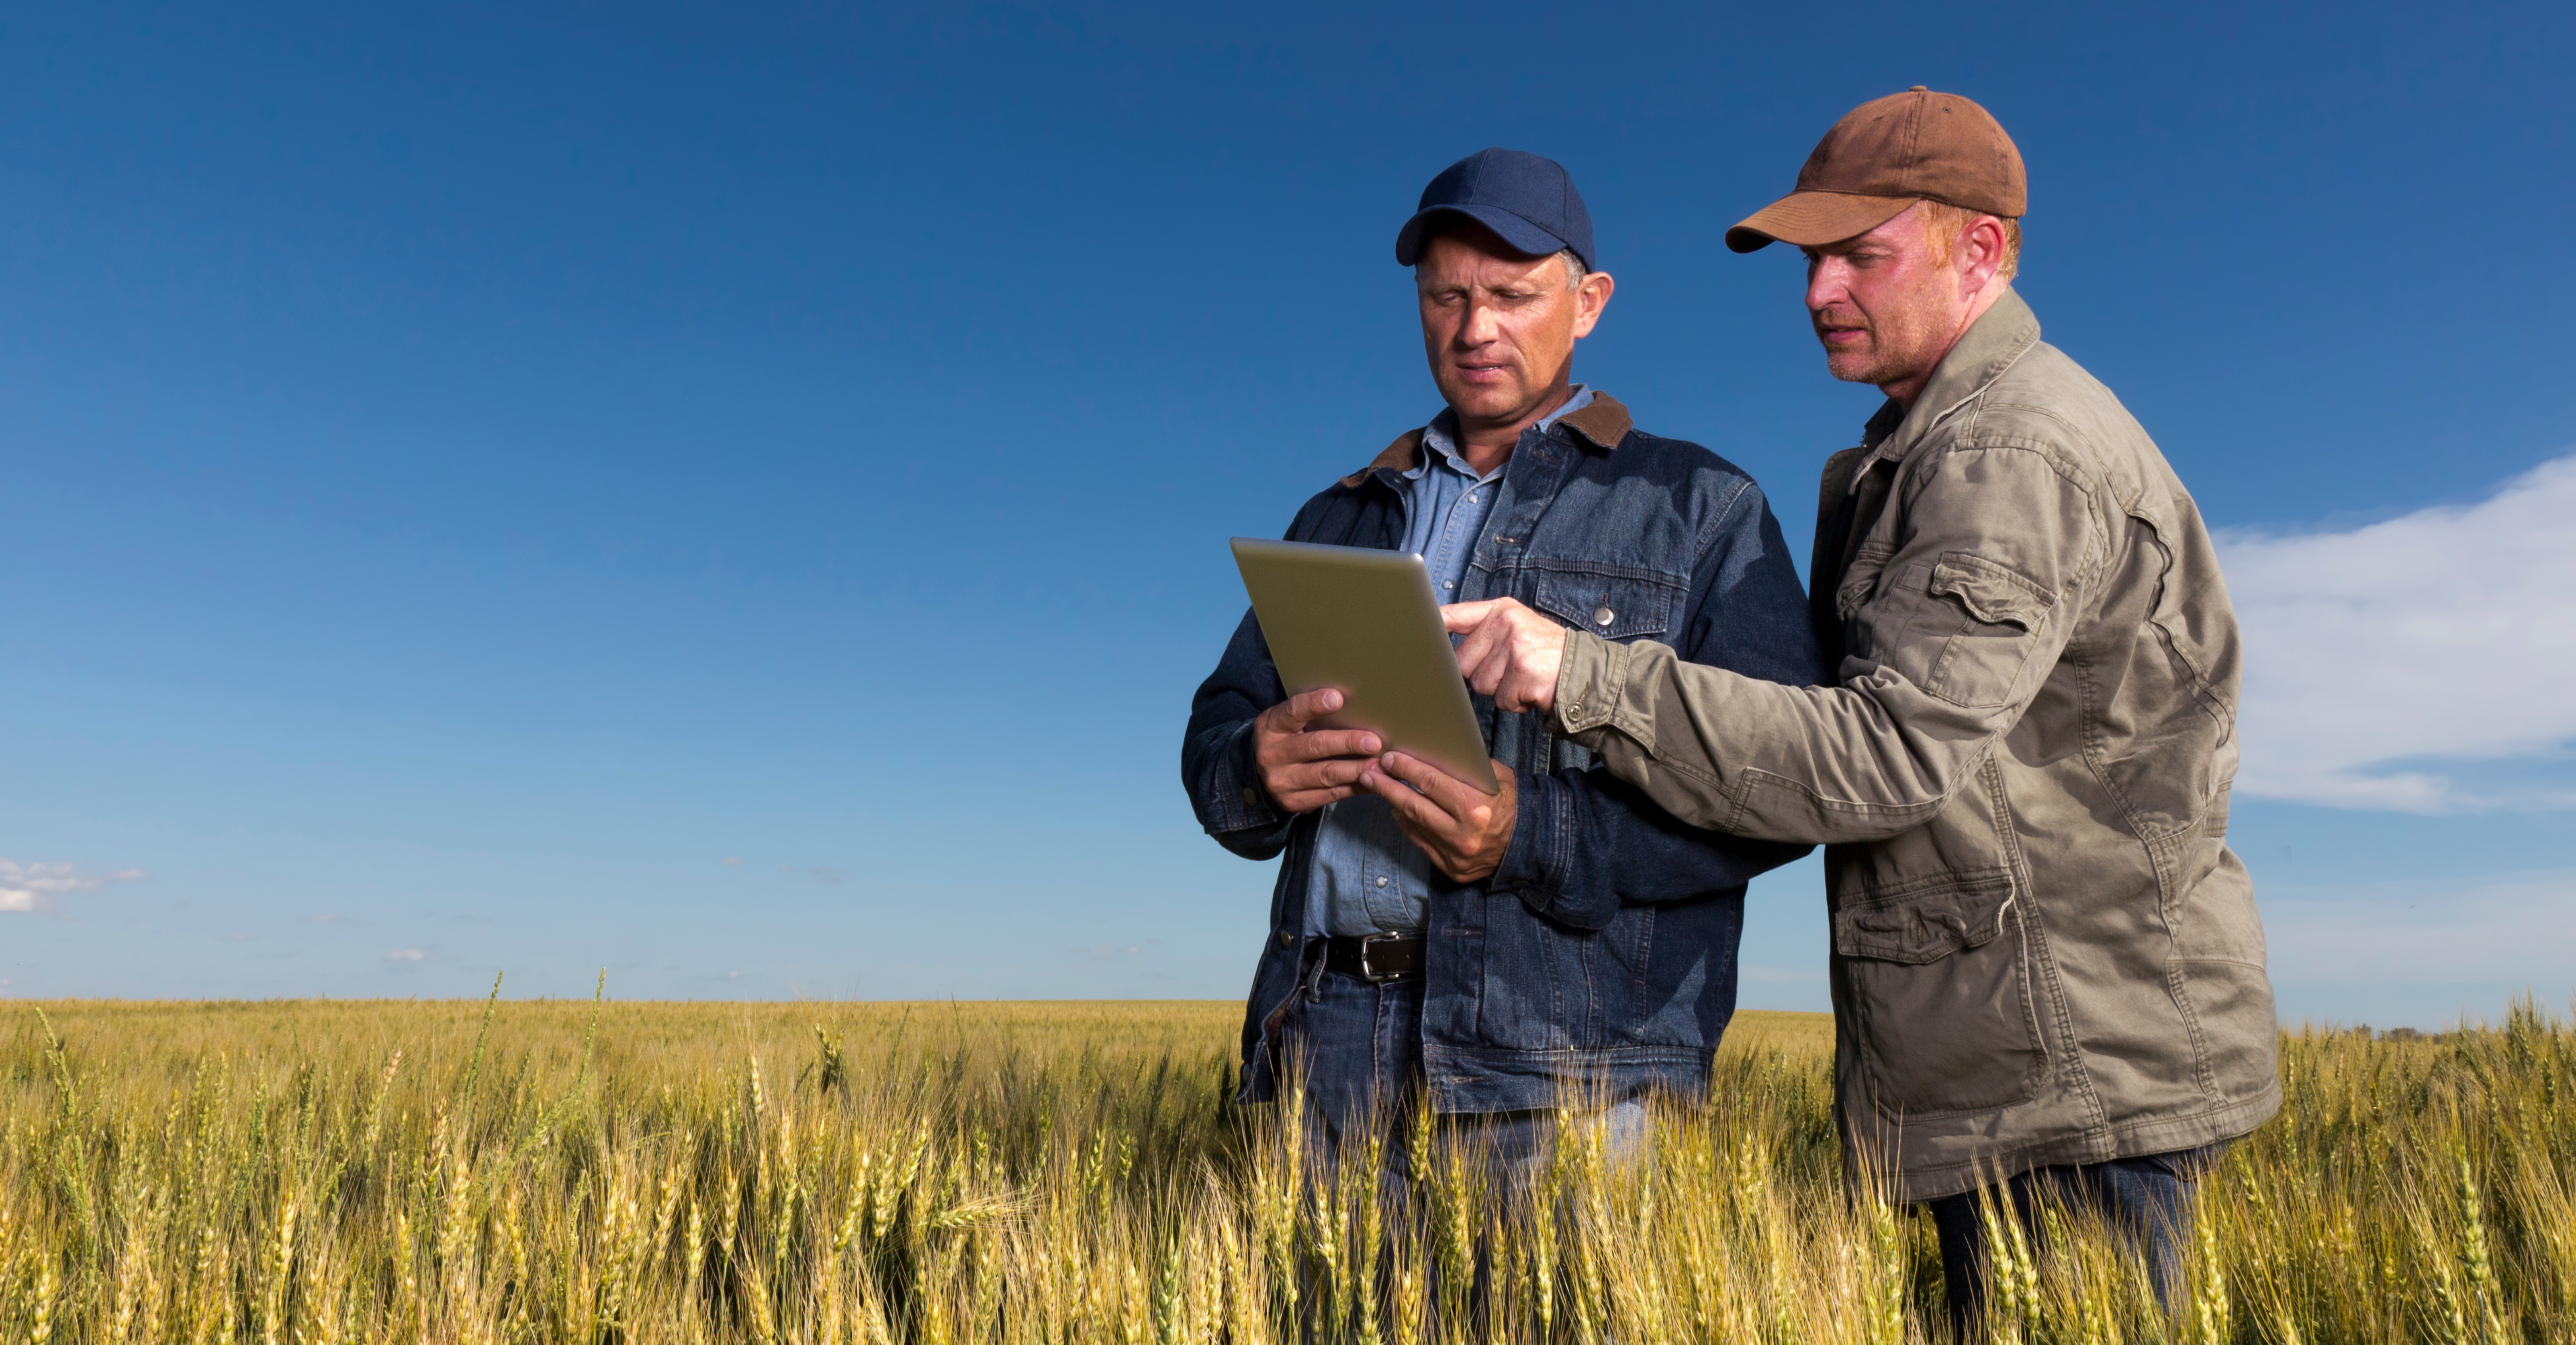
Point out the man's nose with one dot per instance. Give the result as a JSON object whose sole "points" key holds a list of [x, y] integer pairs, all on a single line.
{"points": [[1825, 283], [1481, 325]]}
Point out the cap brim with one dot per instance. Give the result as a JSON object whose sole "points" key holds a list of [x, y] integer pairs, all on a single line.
{"points": [[1814, 218], [1520, 234]]}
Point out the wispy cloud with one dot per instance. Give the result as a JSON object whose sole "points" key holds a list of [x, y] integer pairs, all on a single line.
{"points": [[407, 955], [34, 887], [2512, 929], [2382, 659], [1118, 952]]}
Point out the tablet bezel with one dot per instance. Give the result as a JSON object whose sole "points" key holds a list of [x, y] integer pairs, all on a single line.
{"points": [[1365, 621]]}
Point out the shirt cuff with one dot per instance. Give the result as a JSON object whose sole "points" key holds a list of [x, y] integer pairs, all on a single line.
{"points": [[1590, 680]]}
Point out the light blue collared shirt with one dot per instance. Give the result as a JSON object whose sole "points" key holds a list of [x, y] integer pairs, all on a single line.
{"points": [[1369, 877]]}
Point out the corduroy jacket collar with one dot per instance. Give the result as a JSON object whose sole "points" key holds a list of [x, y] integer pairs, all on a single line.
{"points": [[1602, 424]]}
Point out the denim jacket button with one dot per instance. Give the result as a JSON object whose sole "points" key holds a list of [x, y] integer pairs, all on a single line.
{"points": [[1250, 797], [1285, 938], [1602, 616]]}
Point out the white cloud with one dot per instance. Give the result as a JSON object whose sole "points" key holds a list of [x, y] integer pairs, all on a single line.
{"points": [[33, 887], [407, 955], [2444, 635]]}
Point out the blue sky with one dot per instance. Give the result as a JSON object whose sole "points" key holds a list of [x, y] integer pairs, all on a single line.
{"points": [[740, 500]]}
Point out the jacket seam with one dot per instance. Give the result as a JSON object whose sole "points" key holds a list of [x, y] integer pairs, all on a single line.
{"points": [[1752, 774], [1711, 530], [2075, 1075]]}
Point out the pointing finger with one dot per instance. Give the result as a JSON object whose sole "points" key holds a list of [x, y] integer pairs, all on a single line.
{"points": [[1459, 616]]}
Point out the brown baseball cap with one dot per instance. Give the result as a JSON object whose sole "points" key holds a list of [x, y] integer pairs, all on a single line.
{"points": [[1885, 155]]}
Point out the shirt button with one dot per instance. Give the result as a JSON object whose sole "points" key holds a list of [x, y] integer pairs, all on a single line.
{"points": [[1381, 882], [1601, 616], [1448, 583]]}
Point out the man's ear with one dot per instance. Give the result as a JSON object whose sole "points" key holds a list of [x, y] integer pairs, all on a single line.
{"points": [[1590, 297], [1980, 254]]}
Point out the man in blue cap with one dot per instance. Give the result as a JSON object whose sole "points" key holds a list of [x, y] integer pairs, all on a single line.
{"points": [[1481, 954]]}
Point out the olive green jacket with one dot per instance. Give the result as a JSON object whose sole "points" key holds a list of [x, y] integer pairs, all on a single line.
{"points": [[2043, 950]]}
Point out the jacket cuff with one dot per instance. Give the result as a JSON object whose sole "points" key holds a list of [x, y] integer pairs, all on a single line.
{"points": [[1237, 801], [1591, 686], [1533, 867]]}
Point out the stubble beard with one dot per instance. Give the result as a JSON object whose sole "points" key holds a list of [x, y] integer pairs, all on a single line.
{"points": [[1899, 336], [1857, 366], [1870, 364]]}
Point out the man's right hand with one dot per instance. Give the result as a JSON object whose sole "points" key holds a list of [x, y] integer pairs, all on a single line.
{"points": [[1305, 770]]}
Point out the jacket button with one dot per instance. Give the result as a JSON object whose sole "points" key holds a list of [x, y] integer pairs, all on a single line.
{"points": [[1601, 616], [1284, 939], [1250, 798]]}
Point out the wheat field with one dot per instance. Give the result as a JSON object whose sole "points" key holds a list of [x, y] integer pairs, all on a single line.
{"points": [[1074, 1172]]}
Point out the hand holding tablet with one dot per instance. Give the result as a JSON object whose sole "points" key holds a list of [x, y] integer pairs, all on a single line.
{"points": [[1364, 622]]}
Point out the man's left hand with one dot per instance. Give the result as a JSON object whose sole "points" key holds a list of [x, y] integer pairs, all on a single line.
{"points": [[1462, 828]]}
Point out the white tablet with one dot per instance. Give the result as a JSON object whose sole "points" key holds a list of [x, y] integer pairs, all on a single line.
{"points": [[1365, 621]]}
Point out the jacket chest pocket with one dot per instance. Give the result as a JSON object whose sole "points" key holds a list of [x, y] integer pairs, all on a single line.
{"points": [[1941, 988], [1612, 605]]}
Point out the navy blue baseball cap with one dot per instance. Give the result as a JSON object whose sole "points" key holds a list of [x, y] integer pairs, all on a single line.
{"points": [[1529, 201]]}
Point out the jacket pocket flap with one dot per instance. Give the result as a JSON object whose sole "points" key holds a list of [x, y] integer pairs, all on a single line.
{"points": [[1614, 607], [1924, 925], [1861, 580], [1992, 593]]}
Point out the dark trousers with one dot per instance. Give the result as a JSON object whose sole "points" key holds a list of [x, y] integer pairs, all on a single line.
{"points": [[2147, 1199]]}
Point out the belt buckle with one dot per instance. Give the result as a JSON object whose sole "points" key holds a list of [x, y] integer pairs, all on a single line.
{"points": [[1368, 969]]}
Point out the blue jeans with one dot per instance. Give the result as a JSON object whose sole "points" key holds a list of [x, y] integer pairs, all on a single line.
{"points": [[2146, 1199], [1360, 1046]]}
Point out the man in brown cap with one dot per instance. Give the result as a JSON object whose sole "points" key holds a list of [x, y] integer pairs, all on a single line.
{"points": [[2047, 969]]}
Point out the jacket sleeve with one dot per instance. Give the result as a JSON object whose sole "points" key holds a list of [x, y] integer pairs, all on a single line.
{"points": [[1586, 842], [1961, 630], [1216, 750]]}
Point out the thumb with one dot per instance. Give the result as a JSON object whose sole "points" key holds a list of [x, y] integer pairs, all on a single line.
{"points": [[1298, 711]]}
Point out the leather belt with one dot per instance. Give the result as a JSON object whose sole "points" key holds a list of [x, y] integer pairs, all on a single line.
{"points": [[1374, 957]]}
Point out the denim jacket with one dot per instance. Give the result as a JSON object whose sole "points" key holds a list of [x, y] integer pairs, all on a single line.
{"points": [[1602, 954]]}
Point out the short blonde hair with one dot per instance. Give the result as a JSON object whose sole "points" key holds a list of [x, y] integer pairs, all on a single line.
{"points": [[1944, 222]]}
